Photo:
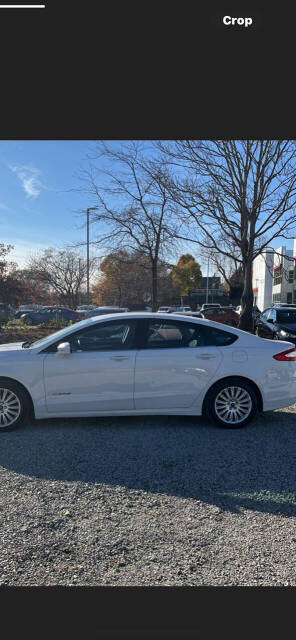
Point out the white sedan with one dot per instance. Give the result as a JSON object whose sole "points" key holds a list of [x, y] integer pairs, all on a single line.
{"points": [[146, 363]]}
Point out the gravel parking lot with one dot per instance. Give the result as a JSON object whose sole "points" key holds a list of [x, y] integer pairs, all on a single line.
{"points": [[149, 501]]}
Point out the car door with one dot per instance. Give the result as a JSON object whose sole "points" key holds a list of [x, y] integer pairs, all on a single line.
{"points": [[267, 323], [98, 374], [261, 323], [176, 364], [270, 325]]}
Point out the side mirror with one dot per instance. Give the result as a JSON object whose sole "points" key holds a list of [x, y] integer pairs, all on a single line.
{"points": [[63, 349]]}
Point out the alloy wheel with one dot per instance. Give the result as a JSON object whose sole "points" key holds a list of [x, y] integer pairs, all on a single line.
{"points": [[233, 404], [10, 407]]}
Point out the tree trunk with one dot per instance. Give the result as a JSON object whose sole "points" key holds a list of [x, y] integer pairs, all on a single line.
{"points": [[154, 287], [246, 318]]}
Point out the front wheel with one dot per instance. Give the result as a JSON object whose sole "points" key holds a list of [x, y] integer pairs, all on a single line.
{"points": [[14, 405], [231, 403]]}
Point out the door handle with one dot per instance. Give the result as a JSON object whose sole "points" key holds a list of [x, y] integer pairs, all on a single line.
{"points": [[119, 358], [205, 356]]}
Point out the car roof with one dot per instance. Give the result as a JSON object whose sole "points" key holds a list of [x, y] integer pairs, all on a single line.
{"points": [[282, 308], [147, 314], [158, 316]]}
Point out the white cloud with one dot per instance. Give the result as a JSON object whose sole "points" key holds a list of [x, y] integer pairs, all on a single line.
{"points": [[29, 177], [23, 250]]}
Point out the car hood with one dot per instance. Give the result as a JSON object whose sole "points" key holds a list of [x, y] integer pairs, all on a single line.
{"points": [[11, 346]]}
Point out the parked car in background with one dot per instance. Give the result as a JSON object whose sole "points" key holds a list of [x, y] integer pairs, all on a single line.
{"points": [[163, 310], [176, 308], [99, 311], [277, 323], [50, 314], [195, 314], [143, 364], [221, 314], [83, 309], [209, 305], [27, 308]]}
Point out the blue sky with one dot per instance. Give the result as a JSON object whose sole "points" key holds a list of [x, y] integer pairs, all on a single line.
{"points": [[38, 197], [37, 204], [38, 200]]}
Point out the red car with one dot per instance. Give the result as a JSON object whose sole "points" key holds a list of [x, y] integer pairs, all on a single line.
{"points": [[222, 314]]}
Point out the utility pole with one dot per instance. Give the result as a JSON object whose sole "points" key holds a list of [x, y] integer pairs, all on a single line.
{"points": [[207, 294], [87, 251], [79, 292]]}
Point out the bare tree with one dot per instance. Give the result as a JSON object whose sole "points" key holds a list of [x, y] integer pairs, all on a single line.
{"points": [[62, 270], [135, 211], [226, 265], [235, 192]]}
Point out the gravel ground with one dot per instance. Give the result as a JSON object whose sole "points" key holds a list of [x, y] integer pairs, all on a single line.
{"points": [[149, 501]]}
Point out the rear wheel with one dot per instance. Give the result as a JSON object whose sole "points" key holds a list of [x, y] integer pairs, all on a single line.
{"points": [[231, 403], [14, 405]]}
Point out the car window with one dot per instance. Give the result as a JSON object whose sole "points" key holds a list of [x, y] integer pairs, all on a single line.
{"points": [[287, 317], [272, 315], [265, 313], [117, 335], [170, 334]]}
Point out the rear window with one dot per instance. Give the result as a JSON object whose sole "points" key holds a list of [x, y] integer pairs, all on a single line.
{"points": [[174, 334]]}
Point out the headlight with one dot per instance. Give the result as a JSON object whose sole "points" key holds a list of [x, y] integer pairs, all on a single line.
{"points": [[286, 334]]}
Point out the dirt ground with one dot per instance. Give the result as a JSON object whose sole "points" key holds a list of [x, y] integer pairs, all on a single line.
{"points": [[16, 332]]}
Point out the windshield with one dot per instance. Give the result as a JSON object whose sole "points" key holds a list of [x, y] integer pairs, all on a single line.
{"points": [[56, 335], [286, 317]]}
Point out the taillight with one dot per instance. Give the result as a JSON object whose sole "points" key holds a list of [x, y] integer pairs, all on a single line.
{"points": [[289, 355]]}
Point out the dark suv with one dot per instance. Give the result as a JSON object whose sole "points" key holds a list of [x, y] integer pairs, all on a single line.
{"points": [[277, 323]]}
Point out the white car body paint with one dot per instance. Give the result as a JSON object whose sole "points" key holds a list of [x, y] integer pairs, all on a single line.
{"points": [[158, 381]]}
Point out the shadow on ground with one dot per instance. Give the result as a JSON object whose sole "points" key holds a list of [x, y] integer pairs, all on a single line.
{"points": [[253, 467]]}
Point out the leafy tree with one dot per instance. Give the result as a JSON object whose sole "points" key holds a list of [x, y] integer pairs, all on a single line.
{"points": [[186, 274], [125, 280]]}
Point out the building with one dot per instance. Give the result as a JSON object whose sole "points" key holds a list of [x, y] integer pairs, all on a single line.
{"points": [[215, 291], [273, 277]]}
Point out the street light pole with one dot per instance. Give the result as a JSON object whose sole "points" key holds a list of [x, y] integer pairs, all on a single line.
{"points": [[87, 251], [207, 295]]}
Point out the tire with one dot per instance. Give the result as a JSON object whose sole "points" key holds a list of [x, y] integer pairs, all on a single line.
{"points": [[219, 397], [18, 403]]}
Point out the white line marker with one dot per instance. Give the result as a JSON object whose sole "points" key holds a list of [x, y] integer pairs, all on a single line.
{"points": [[22, 6]]}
